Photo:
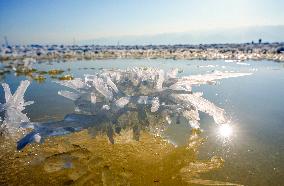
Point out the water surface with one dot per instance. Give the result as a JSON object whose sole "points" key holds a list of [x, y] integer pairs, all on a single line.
{"points": [[253, 154]]}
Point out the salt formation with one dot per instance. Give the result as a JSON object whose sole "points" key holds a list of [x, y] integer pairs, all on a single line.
{"points": [[228, 52], [28, 62], [147, 89], [209, 78], [138, 98], [14, 106], [24, 65]]}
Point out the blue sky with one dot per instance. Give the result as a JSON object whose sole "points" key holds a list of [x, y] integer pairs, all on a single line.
{"points": [[60, 21]]}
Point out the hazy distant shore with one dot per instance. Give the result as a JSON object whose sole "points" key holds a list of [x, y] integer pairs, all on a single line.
{"points": [[247, 51]]}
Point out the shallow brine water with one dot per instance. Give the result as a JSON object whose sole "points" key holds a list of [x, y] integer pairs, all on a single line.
{"points": [[249, 152]]}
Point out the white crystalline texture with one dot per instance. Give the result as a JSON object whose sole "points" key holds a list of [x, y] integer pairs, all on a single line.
{"points": [[123, 98], [198, 94], [155, 104], [168, 119], [146, 87], [77, 109], [144, 73], [209, 78], [186, 82], [100, 85], [181, 85], [122, 102], [75, 84], [70, 95], [103, 89], [160, 81], [105, 107], [28, 62], [37, 138], [93, 98], [113, 74], [203, 105], [172, 73], [14, 106], [193, 118], [112, 85]]}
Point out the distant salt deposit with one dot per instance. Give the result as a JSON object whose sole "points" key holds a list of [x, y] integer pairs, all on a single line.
{"points": [[228, 52]]}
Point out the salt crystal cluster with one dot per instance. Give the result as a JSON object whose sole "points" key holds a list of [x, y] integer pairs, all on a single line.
{"points": [[134, 99], [149, 89], [14, 106]]}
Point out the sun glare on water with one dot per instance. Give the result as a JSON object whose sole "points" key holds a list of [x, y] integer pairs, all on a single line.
{"points": [[225, 131]]}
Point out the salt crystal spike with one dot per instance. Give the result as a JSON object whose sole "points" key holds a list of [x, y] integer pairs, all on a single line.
{"points": [[122, 102]]}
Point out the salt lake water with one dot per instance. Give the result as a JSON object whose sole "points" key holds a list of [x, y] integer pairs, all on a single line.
{"points": [[252, 150]]}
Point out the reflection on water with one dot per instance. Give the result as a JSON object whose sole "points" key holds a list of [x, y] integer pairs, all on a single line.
{"points": [[252, 154], [225, 131], [83, 160], [25, 68]]}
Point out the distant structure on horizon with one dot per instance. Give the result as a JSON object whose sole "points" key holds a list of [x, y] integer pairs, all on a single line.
{"points": [[6, 41], [259, 41]]}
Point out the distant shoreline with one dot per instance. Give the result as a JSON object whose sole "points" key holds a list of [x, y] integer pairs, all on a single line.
{"points": [[239, 52]]}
